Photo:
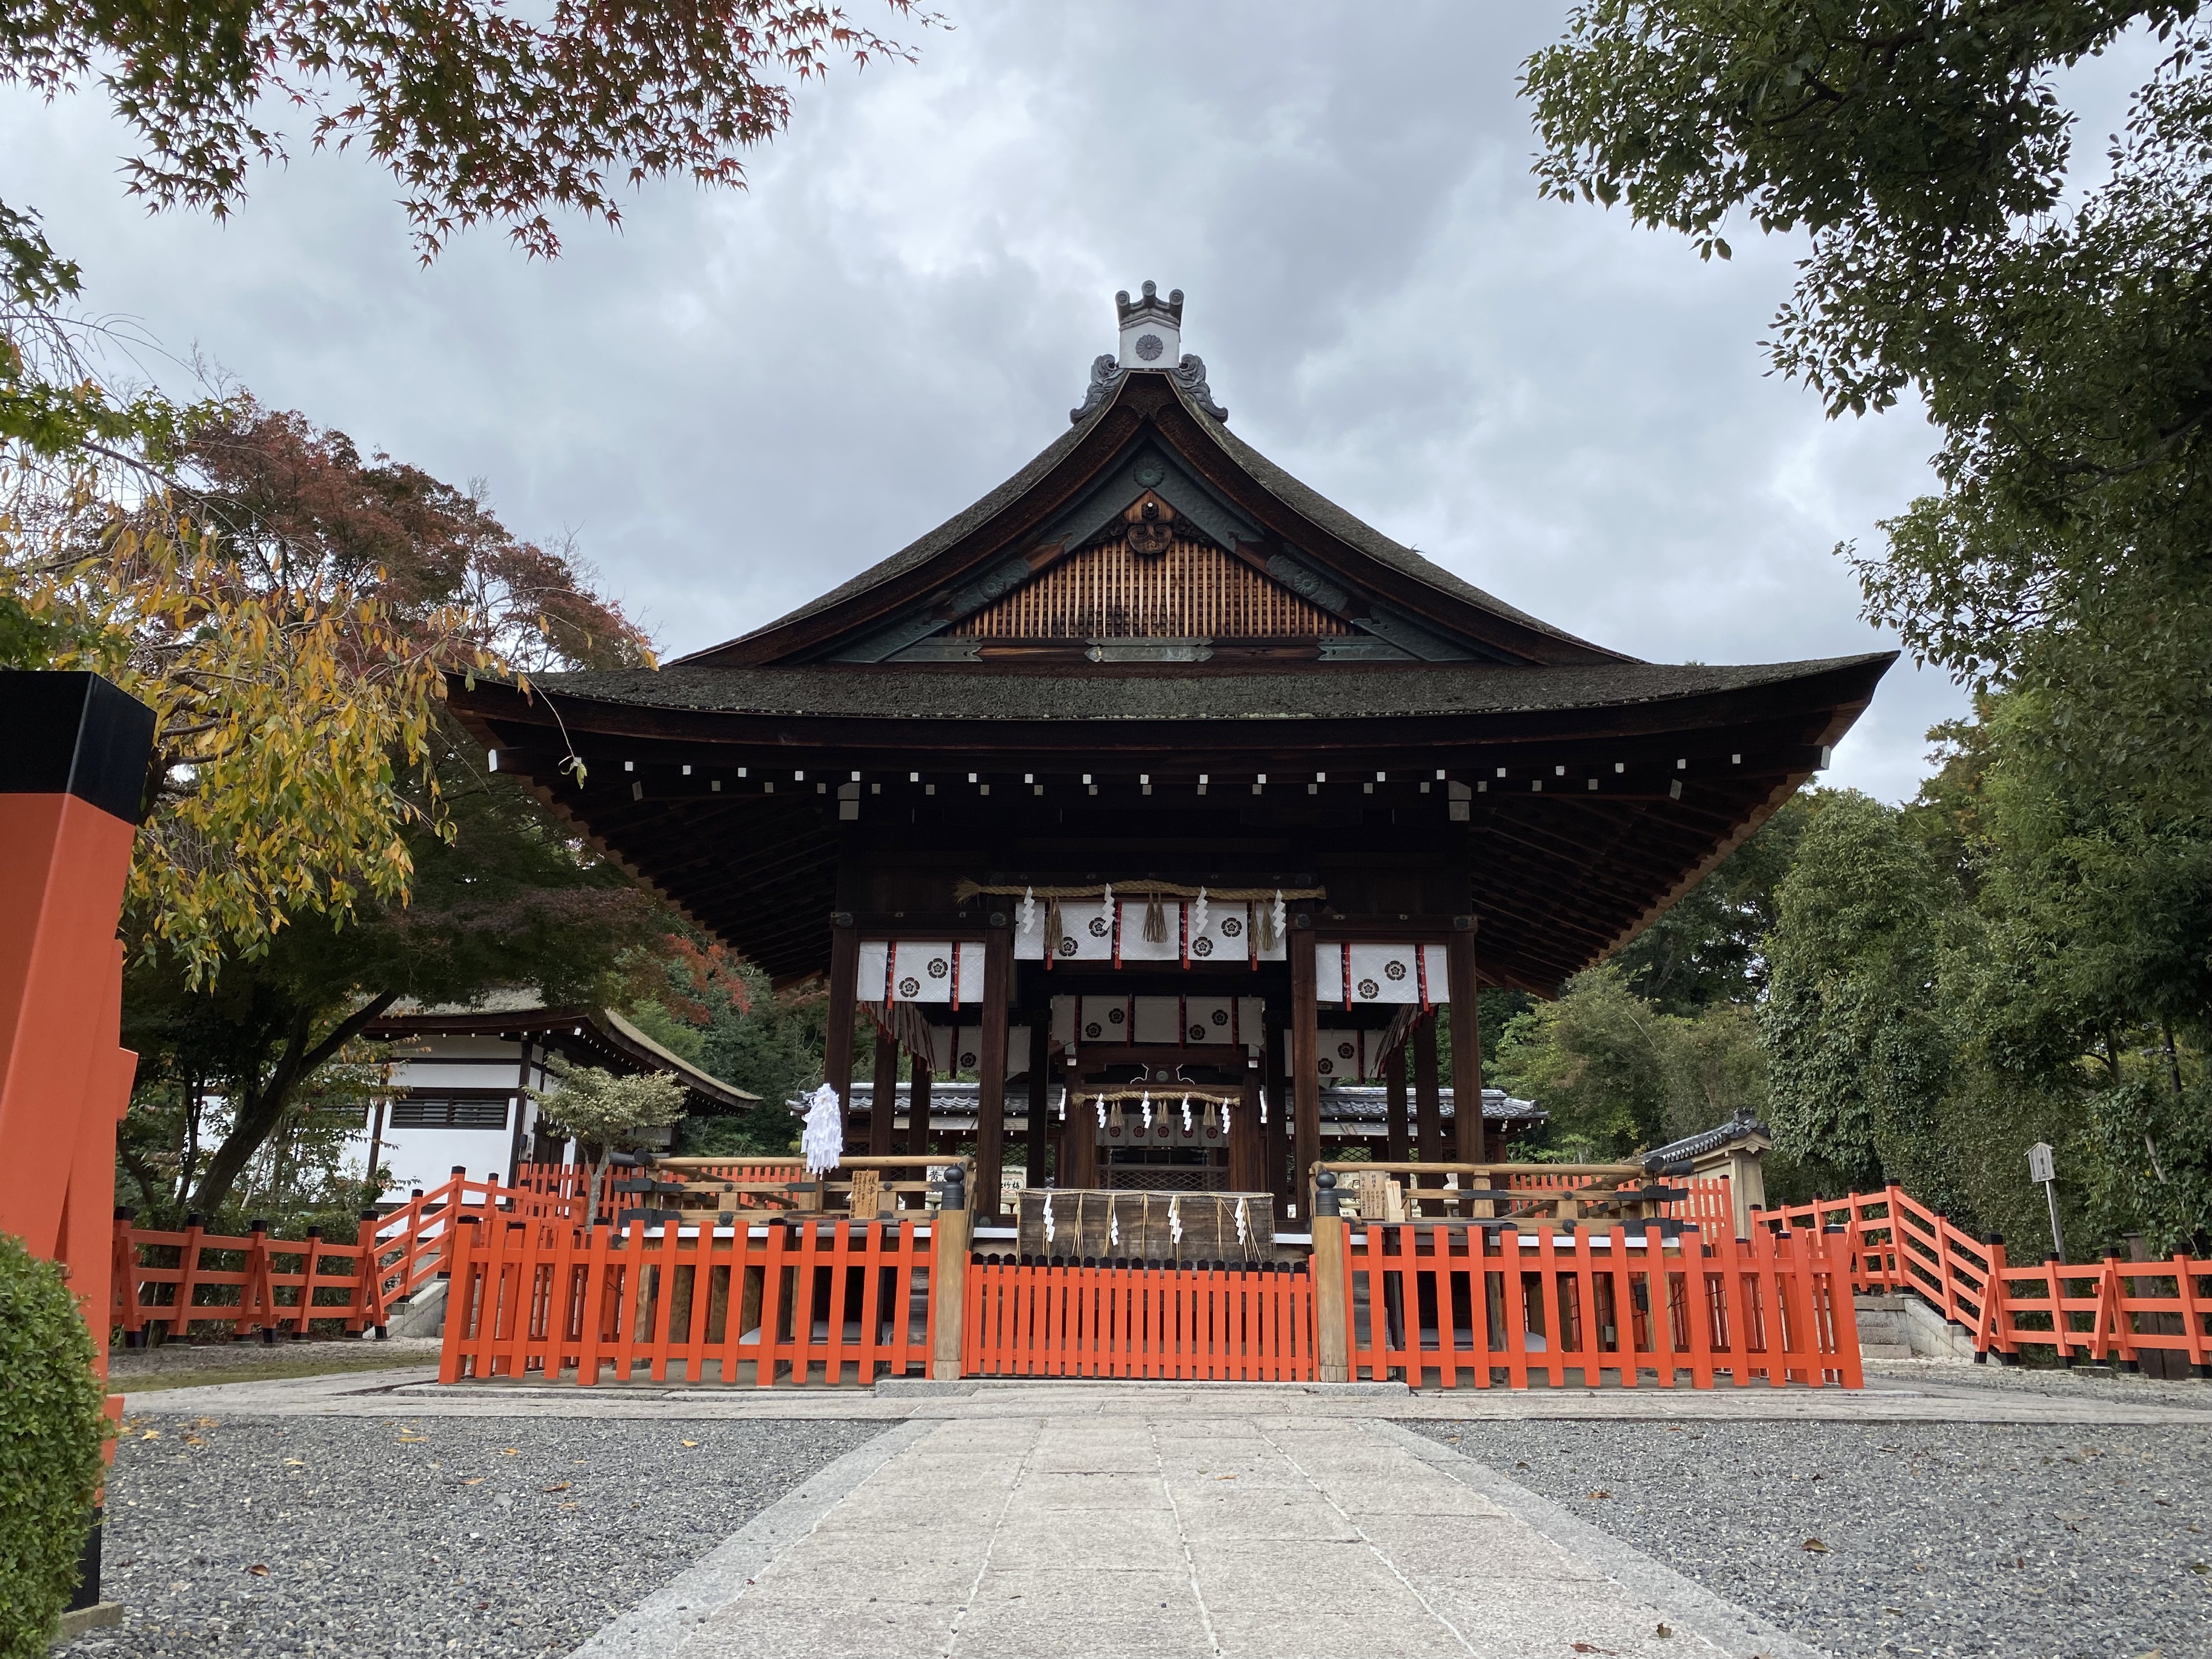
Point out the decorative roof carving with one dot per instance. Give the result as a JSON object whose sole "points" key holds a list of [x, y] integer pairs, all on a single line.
{"points": [[1105, 375], [1190, 375]]}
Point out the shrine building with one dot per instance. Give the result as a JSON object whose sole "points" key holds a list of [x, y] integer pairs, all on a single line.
{"points": [[1156, 793]]}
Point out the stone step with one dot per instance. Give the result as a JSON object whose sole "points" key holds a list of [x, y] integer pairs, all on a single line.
{"points": [[1884, 1350]]}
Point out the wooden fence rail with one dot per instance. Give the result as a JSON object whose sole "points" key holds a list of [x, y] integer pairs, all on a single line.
{"points": [[2108, 1311], [1481, 1306], [791, 1301], [1228, 1322], [171, 1281]]}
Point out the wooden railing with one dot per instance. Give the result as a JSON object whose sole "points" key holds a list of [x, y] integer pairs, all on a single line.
{"points": [[1243, 1322], [787, 1300], [2112, 1310], [1465, 1304], [171, 1281], [1585, 1194]]}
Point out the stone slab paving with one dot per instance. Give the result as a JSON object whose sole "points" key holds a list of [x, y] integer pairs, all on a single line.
{"points": [[1914, 1398], [1159, 1533]]}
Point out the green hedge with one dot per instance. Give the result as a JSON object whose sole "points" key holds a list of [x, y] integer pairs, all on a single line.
{"points": [[51, 1427]]}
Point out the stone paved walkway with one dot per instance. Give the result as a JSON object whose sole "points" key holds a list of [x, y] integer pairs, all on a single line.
{"points": [[1164, 1534]]}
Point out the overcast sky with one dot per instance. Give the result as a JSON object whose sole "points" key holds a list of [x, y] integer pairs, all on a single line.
{"points": [[740, 399]]}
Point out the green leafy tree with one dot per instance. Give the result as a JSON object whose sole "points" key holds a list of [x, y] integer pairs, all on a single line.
{"points": [[610, 1113], [2059, 347], [1859, 1056], [1709, 948]]}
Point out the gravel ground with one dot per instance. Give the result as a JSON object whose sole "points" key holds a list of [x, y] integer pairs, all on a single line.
{"points": [[249, 1538], [1939, 1539], [2082, 1383], [173, 1363]]}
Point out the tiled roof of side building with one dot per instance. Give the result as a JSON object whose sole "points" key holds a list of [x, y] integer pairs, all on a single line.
{"points": [[1336, 689]]}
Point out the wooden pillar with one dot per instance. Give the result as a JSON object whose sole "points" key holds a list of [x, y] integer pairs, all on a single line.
{"points": [[1274, 1152], [1078, 1143], [917, 1111], [1040, 1096], [1428, 1098], [990, 1075], [1246, 1153], [883, 1114], [1393, 1084], [837, 1042], [1467, 1045], [1305, 1069]]}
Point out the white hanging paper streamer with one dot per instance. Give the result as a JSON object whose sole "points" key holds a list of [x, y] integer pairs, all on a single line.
{"points": [[1174, 1219], [1148, 1113], [1101, 1113], [1197, 915], [1063, 1106], [1243, 1222], [1051, 1231], [1263, 1109], [823, 1140], [1282, 919], [1224, 1120], [1186, 1114], [1027, 910], [1113, 1224]]}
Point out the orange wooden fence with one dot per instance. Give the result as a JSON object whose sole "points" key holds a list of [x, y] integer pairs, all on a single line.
{"points": [[793, 1301], [1478, 1305], [1234, 1323], [172, 1281], [2110, 1310]]}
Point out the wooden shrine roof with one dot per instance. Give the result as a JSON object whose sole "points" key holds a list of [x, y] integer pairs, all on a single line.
{"points": [[1399, 712]]}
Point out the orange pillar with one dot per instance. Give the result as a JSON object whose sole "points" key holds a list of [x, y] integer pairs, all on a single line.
{"points": [[72, 773]]}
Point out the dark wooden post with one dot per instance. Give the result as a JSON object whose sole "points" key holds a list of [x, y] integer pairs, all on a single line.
{"points": [[1039, 1094], [1394, 1083], [1246, 1153], [1079, 1141], [990, 1077], [1275, 1146], [1428, 1098], [1305, 1063], [917, 1111], [885, 1112], [837, 1042], [1467, 1045]]}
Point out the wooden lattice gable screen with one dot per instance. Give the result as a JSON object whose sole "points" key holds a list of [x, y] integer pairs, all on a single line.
{"points": [[1187, 589], [1150, 564]]}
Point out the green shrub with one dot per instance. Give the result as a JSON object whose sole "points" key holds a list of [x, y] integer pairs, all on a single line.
{"points": [[51, 1427]]}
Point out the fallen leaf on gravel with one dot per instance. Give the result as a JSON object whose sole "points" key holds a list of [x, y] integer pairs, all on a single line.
{"points": [[510, 1451], [295, 1462], [1225, 1477], [2200, 1566], [1601, 1493], [478, 1482], [563, 1486], [1586, 1647], [413, 1439], [1815, 1545], [690, 1442], [152, 1434], [578, 1506], [194, 1440], [1664, 1630], [257, 1571]]}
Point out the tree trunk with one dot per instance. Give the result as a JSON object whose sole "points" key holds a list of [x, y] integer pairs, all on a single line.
{"points": [[263, 1108]]}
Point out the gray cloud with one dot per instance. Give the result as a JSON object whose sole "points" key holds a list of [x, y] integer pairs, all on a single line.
{"points": [[741, 399]]}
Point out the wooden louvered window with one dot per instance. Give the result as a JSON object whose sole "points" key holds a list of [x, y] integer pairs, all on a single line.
{"points": [[1192, 590]]}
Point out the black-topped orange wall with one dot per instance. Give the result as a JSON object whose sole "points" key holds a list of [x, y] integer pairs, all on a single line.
{"points": [[73, 757]]}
